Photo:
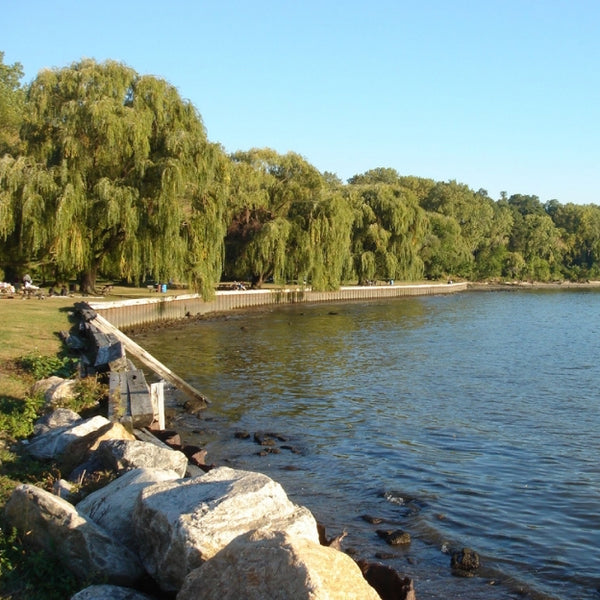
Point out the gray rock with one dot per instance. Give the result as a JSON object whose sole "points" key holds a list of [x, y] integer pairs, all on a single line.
{"points": [[84, 548], [82, 449], [275, 565], [111, 507], [109, 592], [125, 455], [61, 417], [179, 525], [64, 489], [55, 442]]}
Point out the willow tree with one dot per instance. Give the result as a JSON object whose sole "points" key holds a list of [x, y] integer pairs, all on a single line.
{"points": [[267, 189], [388, 232], [26, 193], [473, 211], [140, 189], [444, 250], [11, 106], [319, 249], [580, 230]]}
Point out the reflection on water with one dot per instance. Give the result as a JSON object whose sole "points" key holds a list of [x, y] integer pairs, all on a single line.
{"points": [[481, 407]]}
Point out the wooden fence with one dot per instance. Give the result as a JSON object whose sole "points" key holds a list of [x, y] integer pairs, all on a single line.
{"points": [[130, 313]]}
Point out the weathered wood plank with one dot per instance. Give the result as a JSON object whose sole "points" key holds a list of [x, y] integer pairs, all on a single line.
{"points": [[136, 350], [140, 403], [157, 397], [129, 399]]}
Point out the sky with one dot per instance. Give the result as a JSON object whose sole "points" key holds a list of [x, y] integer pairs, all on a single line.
{"points": [[502, 95]]}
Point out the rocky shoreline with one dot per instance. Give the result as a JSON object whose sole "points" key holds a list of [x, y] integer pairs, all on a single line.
{"points": [[138, 515], [164, 527], [126, 543]]}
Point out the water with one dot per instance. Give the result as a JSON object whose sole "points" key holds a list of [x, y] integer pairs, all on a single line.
{"points": [[469, 420]]}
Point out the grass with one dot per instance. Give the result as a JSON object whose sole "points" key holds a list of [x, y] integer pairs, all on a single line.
{"points": [[30, 349]]}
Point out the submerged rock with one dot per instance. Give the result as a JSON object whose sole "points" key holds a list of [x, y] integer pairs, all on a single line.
{"points": [[395, 537], [465, 562]]}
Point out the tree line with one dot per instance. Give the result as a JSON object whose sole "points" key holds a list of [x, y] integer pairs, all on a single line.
{"points": [[108, 173]]}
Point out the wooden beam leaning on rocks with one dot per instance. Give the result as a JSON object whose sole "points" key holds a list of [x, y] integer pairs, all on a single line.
{"points": [[138, 352]]}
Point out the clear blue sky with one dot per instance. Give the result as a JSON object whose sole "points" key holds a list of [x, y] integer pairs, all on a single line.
{"points": [[498, 94]]}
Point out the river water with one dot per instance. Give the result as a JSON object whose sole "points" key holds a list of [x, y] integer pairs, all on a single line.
{"points": [[468, 420]]}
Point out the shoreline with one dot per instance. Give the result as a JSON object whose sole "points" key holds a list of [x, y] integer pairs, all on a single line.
{"points": [[508, 286], [530, 285]]}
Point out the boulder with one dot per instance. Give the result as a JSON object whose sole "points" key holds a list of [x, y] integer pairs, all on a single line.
{"points": [[61, 417], [55, 389], [55, 442], [111, 507], [109, 592], [125, 455], [55, 525], [81, 449], [273, 564], [180, 525]]}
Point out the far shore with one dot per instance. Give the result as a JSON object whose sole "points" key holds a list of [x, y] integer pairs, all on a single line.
{"points": [[532, 285]]}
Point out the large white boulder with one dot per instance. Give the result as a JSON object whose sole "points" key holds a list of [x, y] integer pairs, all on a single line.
{"points": [[56, 390], [56, 526], [55, 442], [179, 525], [111, 507], [275, 565]]}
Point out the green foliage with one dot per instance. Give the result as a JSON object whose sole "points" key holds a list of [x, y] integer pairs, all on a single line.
{"points": [[387, 233], [29, 574], [41, 367], [11, 106], [105, 172], [123, 179], [18, 416], [89, 391]]}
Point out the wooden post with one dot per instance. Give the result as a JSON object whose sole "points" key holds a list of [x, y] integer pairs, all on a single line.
{"points": [[157, 396]]}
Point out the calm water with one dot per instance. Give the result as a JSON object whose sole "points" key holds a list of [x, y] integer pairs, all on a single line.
{"points": [[468, 420]]}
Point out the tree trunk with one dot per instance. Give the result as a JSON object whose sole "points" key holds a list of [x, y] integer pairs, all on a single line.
{"points": [[87, 281], [257, 281]]}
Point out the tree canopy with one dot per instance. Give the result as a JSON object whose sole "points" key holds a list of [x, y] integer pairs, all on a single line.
{"points": [[108, 173], [132, 189]]}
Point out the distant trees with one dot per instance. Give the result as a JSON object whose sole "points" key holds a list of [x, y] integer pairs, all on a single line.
{"points": [[388, 232], [286, 221], [104, 172]]}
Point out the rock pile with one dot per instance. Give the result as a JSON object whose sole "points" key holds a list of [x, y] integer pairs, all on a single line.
{"points": [[164, 529]]}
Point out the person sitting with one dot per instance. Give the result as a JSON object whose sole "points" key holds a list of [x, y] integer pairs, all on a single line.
{"points": [[28, 284]]}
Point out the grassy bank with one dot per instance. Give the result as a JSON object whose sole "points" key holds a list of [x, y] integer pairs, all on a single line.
{"points": [[30, 348]]}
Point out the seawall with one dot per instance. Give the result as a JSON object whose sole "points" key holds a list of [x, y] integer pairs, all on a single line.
{"points": [[144, 311]]}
